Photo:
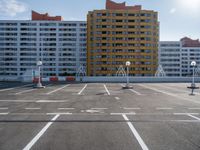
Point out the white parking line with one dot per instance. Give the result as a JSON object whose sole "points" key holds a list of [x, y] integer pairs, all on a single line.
{"points": [[59, 113], [82, 89], [51, 101], [3, 108], [176, 89], [197, 118], [106, 89], [138, 93], [170, 94], [32, 108], [36, 138], [57, 89], [131, 113], [6, 113], [25, 91], [8, 89], [135, 133], [117, 98]]}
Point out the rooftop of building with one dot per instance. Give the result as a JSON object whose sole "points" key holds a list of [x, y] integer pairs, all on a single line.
{"points": [[121, 6], [188, 42], [38, 16]]}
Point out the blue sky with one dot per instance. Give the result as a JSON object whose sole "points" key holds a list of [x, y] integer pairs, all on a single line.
{"points": [[178, 18]]}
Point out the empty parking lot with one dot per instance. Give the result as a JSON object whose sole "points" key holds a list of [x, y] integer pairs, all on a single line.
{"points": [[99, 116]]}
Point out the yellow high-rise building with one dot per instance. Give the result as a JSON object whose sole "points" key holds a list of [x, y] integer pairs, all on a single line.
{"points": [[122, 33]]}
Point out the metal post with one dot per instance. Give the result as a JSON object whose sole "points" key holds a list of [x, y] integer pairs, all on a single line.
{"points": [[39, 81], [39, 84], [128, 63], [193, 83], [127, 84], [193, 86]]}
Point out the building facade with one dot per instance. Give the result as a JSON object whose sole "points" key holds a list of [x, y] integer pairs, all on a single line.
{"points": [[176, 56], [122, 33], [60, 45]]}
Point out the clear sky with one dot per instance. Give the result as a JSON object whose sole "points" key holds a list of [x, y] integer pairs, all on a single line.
{"points": [[178, 18]]}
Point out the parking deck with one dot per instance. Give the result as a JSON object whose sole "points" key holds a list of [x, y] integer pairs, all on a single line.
{"points": [[99, 116]]}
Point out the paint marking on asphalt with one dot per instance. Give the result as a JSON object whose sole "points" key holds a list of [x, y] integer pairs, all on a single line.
{"points": [[25, 91], [117, 98], [4, 113], [131, 113], [132, 108], [197, 118], [186, 113], [82, 89], [58, 89], [170, 94], [185, 91], [66, 108], [37, 137], [164, 108], [51, 101], [59, 113], [3, 108], [138, 93], [8, 89], [135, 133], [106, 89], [32, 108]]}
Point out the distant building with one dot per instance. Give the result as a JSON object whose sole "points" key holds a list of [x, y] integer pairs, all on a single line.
{"points": [[176, 56], [122, 33], [61, 45]]}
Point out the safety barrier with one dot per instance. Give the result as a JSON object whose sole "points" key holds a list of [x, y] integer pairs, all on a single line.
{"points": [[55, 79]]}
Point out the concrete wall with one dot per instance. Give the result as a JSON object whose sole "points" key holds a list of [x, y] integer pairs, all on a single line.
{"points": [[116, 79], [139, 79]]}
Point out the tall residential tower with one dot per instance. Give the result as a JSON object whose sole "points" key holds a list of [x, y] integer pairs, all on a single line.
{"points": [[122, 33]]}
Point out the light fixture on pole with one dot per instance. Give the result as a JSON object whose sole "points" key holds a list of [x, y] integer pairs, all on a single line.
{"points": [[39, 84], [128, 63], [193, 86]]}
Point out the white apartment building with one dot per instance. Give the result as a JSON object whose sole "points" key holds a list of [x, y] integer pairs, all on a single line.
{"points": [[176, 56], [60, 45]]}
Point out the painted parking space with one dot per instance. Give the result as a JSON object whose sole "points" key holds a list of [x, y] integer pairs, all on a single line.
{"points": [[117, 119]]}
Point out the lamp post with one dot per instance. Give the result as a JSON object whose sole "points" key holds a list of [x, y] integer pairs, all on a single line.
{"points": [[128, 63], [193, 86], [193, 64], [39, 84]]}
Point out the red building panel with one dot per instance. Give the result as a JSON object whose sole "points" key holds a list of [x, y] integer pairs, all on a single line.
{"points": [[187, 42], [121, 6], [37, 16]]}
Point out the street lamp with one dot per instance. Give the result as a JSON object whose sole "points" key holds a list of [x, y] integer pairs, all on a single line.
{"points": [[128, 63], [39, 84], [193, 86]]}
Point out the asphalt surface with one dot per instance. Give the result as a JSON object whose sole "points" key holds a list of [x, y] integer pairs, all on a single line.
{"points": [[98, 116]]}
